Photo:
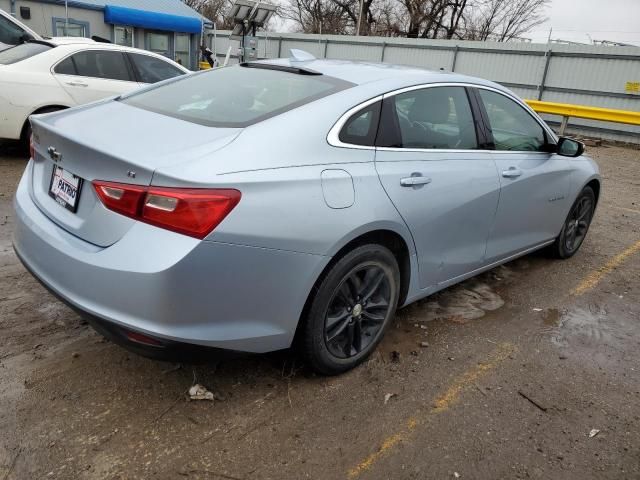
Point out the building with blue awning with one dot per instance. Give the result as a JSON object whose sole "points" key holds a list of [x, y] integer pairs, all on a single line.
{"points": [[167, 27]]}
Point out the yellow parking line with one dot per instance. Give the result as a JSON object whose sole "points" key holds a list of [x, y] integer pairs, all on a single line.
{"points": [[593, 278], [441, 404]]}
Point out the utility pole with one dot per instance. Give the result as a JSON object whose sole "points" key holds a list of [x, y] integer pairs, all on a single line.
{"points": [[66, 17], [360, 3]]}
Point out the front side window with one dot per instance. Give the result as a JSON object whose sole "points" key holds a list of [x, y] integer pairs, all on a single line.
{"points": [[22, 52], [512, 126], [10, 33], [151, 69], [235, 96], [97, 64], [429, 118], [361, 127], [183, 49], [70, 29], [123, 35]]}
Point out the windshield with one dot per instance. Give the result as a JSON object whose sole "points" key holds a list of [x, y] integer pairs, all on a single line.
{"points": [[235, 96], [21, 52]]}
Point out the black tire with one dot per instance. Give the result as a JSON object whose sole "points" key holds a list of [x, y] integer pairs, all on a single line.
{"points": [[333, 346], [576, 226]]}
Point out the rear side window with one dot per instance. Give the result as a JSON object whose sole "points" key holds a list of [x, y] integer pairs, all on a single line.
{"points": [[99, 64], [361, 127], [66, 67], [512, 126], [429, 118], [235, 96], [151, 70], [22, 52]]}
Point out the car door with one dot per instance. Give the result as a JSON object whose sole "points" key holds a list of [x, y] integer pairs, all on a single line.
{"points": [[91, 75], [430, 162], [149, 69], [534, 184]]}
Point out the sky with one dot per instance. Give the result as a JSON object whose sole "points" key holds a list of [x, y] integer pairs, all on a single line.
{"points": [[576, 20]]}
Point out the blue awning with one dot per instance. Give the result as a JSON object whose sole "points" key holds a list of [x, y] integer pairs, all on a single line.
{"points": [[151, 20]]}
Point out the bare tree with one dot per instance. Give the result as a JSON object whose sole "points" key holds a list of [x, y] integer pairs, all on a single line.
{"points": [[500, 20], [214, 10], [504, 20], [316, 16]]}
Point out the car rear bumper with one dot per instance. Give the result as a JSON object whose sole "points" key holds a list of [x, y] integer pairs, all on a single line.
{"points": [[168, 286]]}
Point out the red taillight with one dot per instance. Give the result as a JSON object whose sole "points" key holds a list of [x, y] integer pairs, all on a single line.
{"points": [[32, 148], [190, 211]]}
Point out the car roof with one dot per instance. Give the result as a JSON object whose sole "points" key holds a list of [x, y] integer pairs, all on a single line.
{"points": [[63, 46], [70, 40], [75, 44], [361, 73]]}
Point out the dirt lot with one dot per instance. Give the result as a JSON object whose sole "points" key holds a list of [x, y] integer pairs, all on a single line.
{"points": [[521, 365]]}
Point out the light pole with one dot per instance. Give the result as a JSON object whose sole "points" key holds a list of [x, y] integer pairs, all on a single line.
{"points": [[66, 17], [360, 3]]}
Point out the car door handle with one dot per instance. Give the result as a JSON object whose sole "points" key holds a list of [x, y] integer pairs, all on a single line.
{"points": [[78, 84], [414, 180], [513, 172]]}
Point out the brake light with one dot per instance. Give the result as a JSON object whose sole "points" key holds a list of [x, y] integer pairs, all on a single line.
{"points": [[190, 211], [32, 148]]}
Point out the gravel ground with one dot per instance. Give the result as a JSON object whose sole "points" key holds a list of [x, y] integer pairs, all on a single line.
{"points": [[503, 376]]}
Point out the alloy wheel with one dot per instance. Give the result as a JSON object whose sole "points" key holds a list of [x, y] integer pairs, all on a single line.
{"points": [[357, 311], [578, 223]]}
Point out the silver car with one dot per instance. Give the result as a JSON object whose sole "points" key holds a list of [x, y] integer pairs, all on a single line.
{"points": [[267, 204]]}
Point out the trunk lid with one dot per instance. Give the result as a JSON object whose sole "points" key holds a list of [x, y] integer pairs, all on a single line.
{"points": [[114, 142]]}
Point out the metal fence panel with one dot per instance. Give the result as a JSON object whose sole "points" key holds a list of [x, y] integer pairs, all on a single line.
{"points": [[433, 59], [606, 77]]}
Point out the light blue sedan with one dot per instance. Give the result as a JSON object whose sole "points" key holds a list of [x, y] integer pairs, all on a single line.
{"points": [[296, 200]]}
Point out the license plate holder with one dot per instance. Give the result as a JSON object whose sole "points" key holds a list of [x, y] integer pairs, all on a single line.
{"points": [[65, 188]]}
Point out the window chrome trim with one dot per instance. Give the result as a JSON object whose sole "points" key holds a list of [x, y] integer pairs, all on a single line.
{"points": [[333, 137], [334, 140]]}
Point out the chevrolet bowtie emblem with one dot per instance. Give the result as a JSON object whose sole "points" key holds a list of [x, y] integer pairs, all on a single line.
{"points": [[55, 155]]}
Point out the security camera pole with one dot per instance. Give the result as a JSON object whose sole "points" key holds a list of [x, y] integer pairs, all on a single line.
{"points": [[66, 17], [248, 15]]}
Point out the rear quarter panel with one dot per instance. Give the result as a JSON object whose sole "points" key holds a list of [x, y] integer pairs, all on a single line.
{"points": [[22, 93], [277, 165]]}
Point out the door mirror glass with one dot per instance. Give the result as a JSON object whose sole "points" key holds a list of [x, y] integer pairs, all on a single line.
{"points": [[570, 148]]}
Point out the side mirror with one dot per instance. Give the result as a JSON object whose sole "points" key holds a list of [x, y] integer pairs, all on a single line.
{"points": [[569, 148], [26, 37]]}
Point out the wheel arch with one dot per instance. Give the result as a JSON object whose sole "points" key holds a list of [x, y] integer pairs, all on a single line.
{"points": [[594, 183], [396, 242], [41, 109]]}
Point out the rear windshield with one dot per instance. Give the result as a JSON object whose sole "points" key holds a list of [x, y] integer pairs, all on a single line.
{"points": [[235, 96], [21, 52]]}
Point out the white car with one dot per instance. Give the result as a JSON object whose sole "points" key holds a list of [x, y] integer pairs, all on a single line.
{"points": [[42, 76], [14, 32]]}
